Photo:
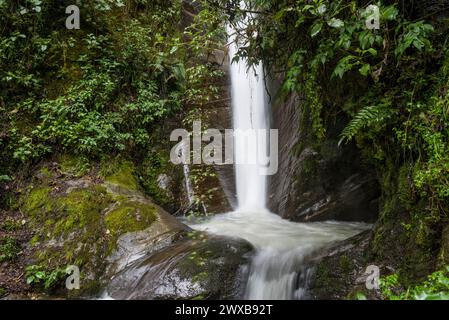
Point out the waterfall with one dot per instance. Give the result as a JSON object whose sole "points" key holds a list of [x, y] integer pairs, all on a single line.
{"points": [[250, 118], [277, 270], [185, 152]]}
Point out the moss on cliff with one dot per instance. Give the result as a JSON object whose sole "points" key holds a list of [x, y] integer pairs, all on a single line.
{"points": [[407, 234]]}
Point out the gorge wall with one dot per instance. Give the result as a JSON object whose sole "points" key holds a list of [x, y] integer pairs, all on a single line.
{"points": [[318, 180]]}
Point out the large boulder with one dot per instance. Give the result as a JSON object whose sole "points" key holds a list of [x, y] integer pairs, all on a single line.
{"points": [[96, 217], [198, 267]]}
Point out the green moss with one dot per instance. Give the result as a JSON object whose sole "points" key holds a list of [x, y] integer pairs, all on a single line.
{"points": [[37, 200], [74, 165], [10, 225], [34, 240], [405, 192], [46, 173], [346, 264], [120, 173], [310, 166], [407, 230], [129, 216], [151, 168], [81, 208]]}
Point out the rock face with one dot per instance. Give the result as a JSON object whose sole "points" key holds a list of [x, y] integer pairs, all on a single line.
{"points": [[101, 222], [197, 267], [318, 180], [339, 272], [212, 187]]}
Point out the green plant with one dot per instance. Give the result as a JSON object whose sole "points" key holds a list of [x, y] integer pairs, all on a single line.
{"points": [[9, 249], [436, 287], [368, 117], [37, 275]]}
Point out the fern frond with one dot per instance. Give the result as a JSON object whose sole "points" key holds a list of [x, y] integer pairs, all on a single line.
{"points": [[366, 117]]}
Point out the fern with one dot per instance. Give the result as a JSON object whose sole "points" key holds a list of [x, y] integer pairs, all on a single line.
{"points": [[366, 117]]}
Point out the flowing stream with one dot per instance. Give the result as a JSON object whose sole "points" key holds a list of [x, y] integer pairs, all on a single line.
{"points": [[277, 270]]}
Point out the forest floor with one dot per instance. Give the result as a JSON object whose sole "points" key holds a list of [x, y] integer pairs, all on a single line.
{"points": [[15, 253]]}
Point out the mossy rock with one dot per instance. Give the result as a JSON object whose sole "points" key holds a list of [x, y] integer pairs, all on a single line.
{"points": [[339, 270], [120, 173], [77, 220], [74, 165], [198, 266], [128, 216]]}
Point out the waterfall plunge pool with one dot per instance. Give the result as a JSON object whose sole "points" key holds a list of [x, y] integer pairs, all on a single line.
{"points": [[277, 269]]}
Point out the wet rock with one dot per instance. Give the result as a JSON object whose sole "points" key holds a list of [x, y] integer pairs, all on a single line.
{"points": [[197, 267], [318, 180], [339, 272]]}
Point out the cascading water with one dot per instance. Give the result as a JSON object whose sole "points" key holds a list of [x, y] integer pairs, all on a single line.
{"points": [[249, 117], [276, 270], [186, 171]]}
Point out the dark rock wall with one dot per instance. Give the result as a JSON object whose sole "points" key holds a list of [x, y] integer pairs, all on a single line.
{"points": [[318, 180]]}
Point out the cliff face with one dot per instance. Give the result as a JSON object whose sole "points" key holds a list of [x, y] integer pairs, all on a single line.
{"points": [[212, 188], [318, 180]]}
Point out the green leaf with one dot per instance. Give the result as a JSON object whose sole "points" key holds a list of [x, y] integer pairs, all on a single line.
{"points": [[366, 39], [372, 51], [365, 69], [321, 9], [345, 64], [389, 13], [173, 49], [316, 28], [280, 14], [5, 178], [335, 23], [368, 116]]}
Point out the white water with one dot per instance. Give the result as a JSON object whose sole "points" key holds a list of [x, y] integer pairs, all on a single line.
{"points": [[188, 184], [281, 246], [184, 152], [277, 270], [249, 113]]}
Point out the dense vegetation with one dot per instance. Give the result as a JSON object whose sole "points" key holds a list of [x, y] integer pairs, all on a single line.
{"points": [[102, 89]]}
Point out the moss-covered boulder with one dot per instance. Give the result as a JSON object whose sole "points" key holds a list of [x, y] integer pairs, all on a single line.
{"points": [[77, 216], [97, 218]]}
